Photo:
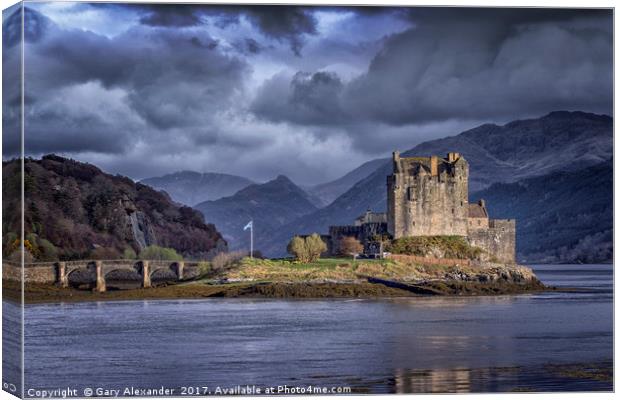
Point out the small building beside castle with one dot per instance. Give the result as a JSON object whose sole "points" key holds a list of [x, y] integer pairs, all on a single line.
{"points": [[428, 196]]}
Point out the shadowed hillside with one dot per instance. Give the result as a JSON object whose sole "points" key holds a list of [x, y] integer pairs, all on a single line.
{"points": [[74, 210], [330, 191], [561, 217], [559, 141], [270, 205]]}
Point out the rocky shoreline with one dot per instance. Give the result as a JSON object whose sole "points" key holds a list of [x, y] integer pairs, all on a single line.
{"points": [[335, 278], [369, 288]]}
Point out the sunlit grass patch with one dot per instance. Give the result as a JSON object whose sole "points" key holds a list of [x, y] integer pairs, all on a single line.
{"points": [[324, 269]]}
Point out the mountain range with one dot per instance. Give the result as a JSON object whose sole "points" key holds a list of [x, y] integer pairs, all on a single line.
{"points": [[191, 188], [564, 216], [330, 191], [531, 153], [270, 206], [554, 174], [560, 141]]}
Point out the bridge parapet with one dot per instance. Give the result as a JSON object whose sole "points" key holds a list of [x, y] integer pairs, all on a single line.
{"points": [[59, 272]]}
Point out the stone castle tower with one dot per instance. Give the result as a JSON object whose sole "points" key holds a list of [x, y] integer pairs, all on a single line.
{"points": [[427, 196]]}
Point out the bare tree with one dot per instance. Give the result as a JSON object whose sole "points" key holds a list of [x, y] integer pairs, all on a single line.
{"points": [[350, 246]]}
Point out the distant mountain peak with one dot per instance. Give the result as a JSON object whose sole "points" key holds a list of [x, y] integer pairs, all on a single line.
{"points": [[191, 187], [270, 205], [564, 114], [282, 178]]}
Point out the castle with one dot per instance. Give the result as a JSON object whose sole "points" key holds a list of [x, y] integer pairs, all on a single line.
{"points": [[428, 196]]}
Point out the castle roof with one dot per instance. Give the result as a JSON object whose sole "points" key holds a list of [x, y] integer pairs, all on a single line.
{"points": [[477, 210]]}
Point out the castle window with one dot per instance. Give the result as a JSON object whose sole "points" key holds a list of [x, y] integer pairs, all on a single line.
{"points": [[478, 222], [410, 194], [453, 211]]}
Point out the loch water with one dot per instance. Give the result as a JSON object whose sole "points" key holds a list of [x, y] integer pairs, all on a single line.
{"points": [[551, 341]]}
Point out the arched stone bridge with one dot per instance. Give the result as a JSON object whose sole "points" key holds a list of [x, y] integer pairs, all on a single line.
{"points": [[100, 269]]}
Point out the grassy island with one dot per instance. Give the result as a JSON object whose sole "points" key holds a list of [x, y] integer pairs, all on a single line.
{"points": [[321, 278]]}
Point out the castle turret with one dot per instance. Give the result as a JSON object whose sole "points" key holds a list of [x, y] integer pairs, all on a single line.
{"points": [[396, 160], [452, 157], [434, 165]]}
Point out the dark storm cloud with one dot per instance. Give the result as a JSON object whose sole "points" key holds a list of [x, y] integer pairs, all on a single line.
{"points": [[196, 86], [253, 46], [470, 64], [286, 24], [172, 15], [305, 99], [11, 82], [34, 27], [501, 16], [107, 94]]}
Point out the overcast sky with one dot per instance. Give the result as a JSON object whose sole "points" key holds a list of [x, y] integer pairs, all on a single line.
{"points": [[311, 93]]}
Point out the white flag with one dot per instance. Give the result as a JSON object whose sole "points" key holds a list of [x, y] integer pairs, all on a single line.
{"points": [[248, 226]]}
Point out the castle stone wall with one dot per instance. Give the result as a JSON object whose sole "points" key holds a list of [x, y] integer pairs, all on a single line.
{"points": [[499, 240], [428, 196]]}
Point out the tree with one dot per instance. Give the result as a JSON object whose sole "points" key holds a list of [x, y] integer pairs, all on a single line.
{"points": [[104, 253], [48, 251], [297, 247], [307, 249], [315, 246], [350, 246], [129, 254], [159, 253]]}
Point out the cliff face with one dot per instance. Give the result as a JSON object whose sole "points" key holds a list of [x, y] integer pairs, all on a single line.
{"points": [[74, 210]]}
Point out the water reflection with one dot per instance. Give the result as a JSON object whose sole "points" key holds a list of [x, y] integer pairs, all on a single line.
{"points": [[534, 378], [432, 381], [454, 301]]}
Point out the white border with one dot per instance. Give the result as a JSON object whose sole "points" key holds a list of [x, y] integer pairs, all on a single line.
{"points": [[462, 3]]}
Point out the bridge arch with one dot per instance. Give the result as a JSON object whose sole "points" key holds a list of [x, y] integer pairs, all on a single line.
{"points": [[65, 274], [122, 276], [99, 270], [172, 267]]}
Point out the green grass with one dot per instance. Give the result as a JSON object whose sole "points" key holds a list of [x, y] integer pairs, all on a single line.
{"points": [[345, 269], [322, 263]]}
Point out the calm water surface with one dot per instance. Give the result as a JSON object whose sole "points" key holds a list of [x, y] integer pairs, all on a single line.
{"points": [[430, 344]]}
